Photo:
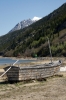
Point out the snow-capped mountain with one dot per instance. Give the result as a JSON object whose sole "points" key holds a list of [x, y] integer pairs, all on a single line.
{"points": [[24, 24]]}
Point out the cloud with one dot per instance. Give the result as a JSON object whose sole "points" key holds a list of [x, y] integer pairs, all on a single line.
{"points": [[36, 18]]}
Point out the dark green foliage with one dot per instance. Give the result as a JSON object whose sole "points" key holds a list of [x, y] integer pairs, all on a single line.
{"points": [[44, 51]]}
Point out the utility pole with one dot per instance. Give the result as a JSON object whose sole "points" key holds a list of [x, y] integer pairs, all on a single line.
{"points": [[50, 50]]}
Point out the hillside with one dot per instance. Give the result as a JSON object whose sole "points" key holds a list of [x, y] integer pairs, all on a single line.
{"points": [[32, 40]]}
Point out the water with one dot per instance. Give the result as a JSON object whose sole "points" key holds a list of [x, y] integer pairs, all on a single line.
{"points": [[11, 61]]}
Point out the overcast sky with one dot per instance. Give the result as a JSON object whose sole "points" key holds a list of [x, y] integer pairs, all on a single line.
{"points": [[14, 11]]}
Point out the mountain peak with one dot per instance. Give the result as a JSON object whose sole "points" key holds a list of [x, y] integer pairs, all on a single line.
{"points": [[24, 24]]}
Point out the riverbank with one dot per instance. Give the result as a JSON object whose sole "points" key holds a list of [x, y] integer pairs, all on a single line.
{"points": [[37, 61]]}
